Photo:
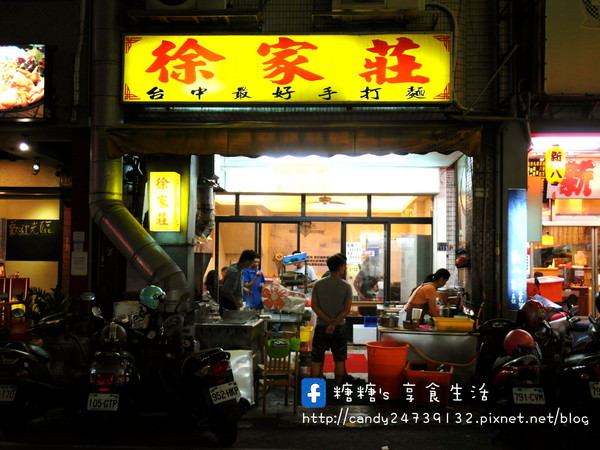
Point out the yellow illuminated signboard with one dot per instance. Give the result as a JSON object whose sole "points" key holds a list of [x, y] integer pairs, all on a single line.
{"points": [[164, 210], [287, 68]]}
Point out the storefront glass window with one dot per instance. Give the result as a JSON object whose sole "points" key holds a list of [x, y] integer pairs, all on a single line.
{"points": [[277, 241], [233, 239], [320, 240], [336, 205], [224, 205], [410, 259], [566, 252], [401, 206], [270, 205], [365, 250]]}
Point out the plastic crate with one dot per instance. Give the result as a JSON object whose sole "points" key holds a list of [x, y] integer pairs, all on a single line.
{"points": [[362, 334], [431, 386], [459, 324], [370, 321], [278, 348]]}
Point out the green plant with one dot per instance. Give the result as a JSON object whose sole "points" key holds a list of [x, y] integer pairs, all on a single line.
{"points": [[41, 303]]}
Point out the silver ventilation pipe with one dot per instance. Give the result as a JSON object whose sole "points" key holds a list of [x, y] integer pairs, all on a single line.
{"points": [[205, 217], [106, 175]]}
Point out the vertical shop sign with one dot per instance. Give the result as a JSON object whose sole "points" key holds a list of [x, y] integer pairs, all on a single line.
{"points": [[556, 163], [517, 248], [164, 195]]}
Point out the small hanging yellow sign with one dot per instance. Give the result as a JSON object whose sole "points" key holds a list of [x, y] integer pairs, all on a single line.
{"points": [[164, 208], [556, 165]]}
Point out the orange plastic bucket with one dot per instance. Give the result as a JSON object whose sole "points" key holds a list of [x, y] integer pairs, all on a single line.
{"points": [[387, 361]]}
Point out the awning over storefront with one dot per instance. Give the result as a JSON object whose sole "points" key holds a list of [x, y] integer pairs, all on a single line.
{"points": [[327, 140]]}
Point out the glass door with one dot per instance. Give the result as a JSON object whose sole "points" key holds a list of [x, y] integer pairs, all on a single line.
{"points": [[233, 239], [276, 241], [410, 258], [366, 253], [320, 240]]}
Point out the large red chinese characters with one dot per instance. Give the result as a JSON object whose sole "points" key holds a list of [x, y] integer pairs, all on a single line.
{"points": [[401, 65], [192, 56], [286, 61], [578, 178]]}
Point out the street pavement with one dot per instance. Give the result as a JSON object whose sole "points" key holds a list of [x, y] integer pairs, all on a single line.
{"points": [[407, 427]]}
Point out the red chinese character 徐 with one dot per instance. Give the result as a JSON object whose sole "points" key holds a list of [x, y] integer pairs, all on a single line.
{"points": [[282, 63], [405, 64], [578, 178], [191, 55], [162, 183]]}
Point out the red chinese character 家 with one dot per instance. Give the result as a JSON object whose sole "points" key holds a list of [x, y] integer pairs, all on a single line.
{"points": [[286, 60]]}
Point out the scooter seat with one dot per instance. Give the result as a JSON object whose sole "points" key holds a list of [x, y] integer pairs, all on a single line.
{"points": [[39, 352], [581, 325], [573, 360], [35, 350]]}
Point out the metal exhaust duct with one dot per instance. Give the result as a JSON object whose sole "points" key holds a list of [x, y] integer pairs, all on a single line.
{"points": [[205, 217], [106, 185]]}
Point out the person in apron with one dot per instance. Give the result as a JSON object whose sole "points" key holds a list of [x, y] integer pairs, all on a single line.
{"points": [[423, 297]]}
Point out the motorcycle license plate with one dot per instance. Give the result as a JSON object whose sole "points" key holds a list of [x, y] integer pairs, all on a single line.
{"points": [[103, 402], [224, 392], [528, 396], [595, 389], [8, 393]]}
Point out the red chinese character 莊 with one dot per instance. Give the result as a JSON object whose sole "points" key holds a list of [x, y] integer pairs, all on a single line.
{"points": [[192, 56], [405, 64], [286, 60]]}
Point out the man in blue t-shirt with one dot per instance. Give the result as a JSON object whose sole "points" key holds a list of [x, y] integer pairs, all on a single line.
{"points": [[254, 281]]}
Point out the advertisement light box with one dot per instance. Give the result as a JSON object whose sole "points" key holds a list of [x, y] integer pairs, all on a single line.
{"points": [[22, 81]]}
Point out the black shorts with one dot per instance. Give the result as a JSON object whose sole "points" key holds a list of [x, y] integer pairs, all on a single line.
{"points": [[335, 342]]}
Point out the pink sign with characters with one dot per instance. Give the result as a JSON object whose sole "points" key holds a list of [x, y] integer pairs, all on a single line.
{"points": [[582, 180]]}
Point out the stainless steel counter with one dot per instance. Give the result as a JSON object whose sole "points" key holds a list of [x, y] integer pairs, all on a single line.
{"points": [[233, 336], [450, 347]]}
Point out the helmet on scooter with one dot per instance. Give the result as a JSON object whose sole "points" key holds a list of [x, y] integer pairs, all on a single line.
{"points": [[113, 334], [517, 340], [531, 314], [151, 296]]}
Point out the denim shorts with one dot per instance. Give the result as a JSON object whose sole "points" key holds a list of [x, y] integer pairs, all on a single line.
{"points": [[335, 342]]}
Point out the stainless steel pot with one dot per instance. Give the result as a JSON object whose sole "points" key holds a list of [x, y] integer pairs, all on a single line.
{"points": [[389, 320], [445, 311]]}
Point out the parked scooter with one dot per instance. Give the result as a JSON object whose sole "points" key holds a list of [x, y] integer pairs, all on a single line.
{"points": [[520, 379], [177, 377], [37, 378], [580, 372], [114, 379]]}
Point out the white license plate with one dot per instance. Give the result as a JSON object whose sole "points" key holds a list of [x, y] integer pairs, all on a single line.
{"points": [[8, 393], [224, 392], [528, 396], [595, 389], [103, 402]]}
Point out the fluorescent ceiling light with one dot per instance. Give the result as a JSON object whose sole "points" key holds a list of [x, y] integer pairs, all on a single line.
{"points": [[567, 141]]}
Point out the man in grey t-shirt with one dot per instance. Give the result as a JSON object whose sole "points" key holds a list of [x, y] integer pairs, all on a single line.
{"points": [[232, 291], [331, 301]]}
